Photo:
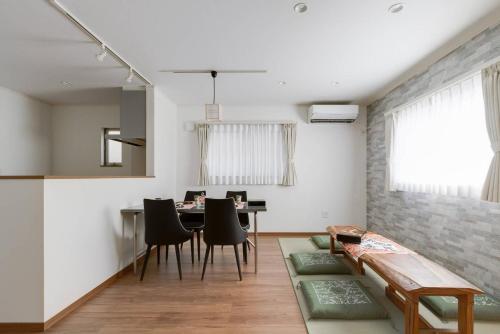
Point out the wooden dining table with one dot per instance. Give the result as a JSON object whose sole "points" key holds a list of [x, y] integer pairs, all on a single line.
{"points": [[244, 207], [410, 276]]}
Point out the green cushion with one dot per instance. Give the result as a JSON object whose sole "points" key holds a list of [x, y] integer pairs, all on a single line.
{"points": [[318, 264], [340, 299], [323, 242], [446, 308]]}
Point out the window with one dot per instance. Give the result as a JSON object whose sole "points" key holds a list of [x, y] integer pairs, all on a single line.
{"points": [[246, 154], [111, 151], [439, 143]]}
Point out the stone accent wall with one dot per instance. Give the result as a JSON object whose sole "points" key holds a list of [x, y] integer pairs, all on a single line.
{"points": [[461, 234]]}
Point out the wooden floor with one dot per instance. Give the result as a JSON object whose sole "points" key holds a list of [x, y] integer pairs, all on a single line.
{"points": [[262, 303]]}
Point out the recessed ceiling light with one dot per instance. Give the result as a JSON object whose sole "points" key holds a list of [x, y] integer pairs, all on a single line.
{"points": [[335, 83], [65, 83], [396, 8], [282, 83], [300, 7]]}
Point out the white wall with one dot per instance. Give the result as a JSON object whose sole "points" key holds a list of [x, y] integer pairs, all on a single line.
{"points": [[25, 126], [21, 251], [76, 142], [83, 226], [330, 161]]}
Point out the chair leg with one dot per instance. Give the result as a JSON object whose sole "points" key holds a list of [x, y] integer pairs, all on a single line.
{"points": [[221, 247], [166, 253], [245, 255], [198, 240], [212, 254], [207, 252], [158, 254], [237, 254], [146, 258], [192, 248], [248, 245], [177, 254], [182, 245]]}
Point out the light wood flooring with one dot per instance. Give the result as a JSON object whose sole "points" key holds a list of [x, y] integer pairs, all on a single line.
{"points": [[262, 303]]}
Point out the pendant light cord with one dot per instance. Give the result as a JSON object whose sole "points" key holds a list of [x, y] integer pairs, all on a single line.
{"points": [[213, 78]]}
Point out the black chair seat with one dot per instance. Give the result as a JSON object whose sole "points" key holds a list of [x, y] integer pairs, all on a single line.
{"points": [[193, 225], [222, 227], [193, 221], [163, 227]]}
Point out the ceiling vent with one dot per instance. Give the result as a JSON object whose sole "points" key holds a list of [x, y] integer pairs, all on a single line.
{"points": [[333, 113]]}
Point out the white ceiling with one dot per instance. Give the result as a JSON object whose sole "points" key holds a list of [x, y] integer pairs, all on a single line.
{"points": [[355, 42]]}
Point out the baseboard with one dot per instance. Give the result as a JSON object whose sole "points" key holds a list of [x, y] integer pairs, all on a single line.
{"points": [[21, 327], [43, 326]]}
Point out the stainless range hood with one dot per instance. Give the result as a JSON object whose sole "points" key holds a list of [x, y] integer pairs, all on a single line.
{"points": [[132, 118]]}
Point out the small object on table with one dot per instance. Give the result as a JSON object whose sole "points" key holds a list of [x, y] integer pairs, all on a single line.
{"points": [[351, 235]]}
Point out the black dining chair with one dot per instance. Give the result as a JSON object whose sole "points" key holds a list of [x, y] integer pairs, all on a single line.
{"points": [[222, 227], [193, 221], [163, 227], [244, 219]]}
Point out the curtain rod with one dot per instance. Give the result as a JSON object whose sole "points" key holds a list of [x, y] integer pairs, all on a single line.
{"points": [[246, 122], [478, 68]]}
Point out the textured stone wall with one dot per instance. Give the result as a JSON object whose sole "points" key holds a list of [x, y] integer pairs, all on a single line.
{"points": [[462, 234]]}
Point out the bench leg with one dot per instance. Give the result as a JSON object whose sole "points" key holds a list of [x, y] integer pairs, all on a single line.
{"points": [[465, 314]]}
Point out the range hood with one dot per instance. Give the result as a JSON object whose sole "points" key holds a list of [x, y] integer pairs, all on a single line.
{"points": [[132, 118]]}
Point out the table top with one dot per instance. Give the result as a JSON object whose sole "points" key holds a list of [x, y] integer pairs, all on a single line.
{"points": [[416, 274], [244, 208], [403, 268]]}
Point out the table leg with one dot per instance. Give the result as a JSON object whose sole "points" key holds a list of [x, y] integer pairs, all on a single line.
{"points": [[135, 243], [465, 314], [255, 239], [122, 245], [412, 317]]}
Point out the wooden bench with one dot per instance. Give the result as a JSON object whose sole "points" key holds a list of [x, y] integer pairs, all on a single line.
{"points": [[409, 276]]}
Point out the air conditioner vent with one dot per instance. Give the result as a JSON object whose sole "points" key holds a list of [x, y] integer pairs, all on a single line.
{"points": [[333, 113]]}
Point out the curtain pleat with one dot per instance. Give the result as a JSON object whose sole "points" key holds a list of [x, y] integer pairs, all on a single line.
{"points": [[203, 145], [245, 154], [289, 139], [491, 93], [389, 147]]}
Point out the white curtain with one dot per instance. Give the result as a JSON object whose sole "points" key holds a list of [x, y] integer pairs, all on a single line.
{"points": [[245, 154], [203, 146], [491, 91], [440, 144], [289, 139]]}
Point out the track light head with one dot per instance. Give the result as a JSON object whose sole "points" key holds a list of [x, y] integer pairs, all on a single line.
{"points": [[130, 75], [100, 57]]}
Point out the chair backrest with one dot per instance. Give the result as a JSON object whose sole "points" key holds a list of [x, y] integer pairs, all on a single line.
{"points": [[162, 223], [192, 217], [190, 194], [233, 194], [243, 217], [222, 226]]}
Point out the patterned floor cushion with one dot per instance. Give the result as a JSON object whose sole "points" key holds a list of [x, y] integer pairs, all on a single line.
{"points": [[340, 299], [318, 264], [485, 307], [323, 242]]}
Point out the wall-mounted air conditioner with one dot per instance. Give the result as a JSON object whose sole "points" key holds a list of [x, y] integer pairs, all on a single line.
{"points": [[333, 113]]}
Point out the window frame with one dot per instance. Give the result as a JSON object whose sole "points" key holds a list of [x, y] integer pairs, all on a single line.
{"points": [[105, 148]]}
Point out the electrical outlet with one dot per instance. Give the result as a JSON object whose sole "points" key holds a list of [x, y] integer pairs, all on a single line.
{"points": [[324, 214]]}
